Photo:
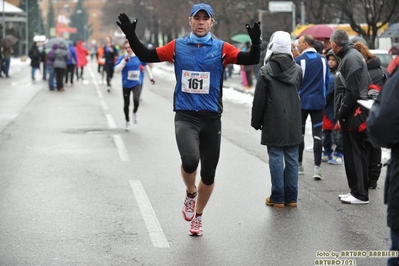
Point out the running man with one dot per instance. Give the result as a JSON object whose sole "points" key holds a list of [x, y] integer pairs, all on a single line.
{"points": [[199, 61]]}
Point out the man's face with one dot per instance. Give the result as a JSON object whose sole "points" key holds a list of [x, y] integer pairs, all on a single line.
{"points": [[201, 23], [334, 47], [302, 45]]}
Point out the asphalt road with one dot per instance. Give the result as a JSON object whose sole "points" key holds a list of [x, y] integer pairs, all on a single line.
{"points": [[77, 189]]}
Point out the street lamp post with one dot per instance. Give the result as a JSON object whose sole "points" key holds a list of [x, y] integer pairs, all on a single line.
{"points": [[26, 28], [260, 18], [4, 20]]}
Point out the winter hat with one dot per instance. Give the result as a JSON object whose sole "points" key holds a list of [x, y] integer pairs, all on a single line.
{"points": [[280, 43], [359, 39]]}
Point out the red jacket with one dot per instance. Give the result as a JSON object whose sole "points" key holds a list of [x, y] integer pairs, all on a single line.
{"points": [[82, 54]]}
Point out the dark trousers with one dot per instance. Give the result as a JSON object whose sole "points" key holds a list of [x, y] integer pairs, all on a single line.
{"points": [[248, 73], [59, 76], [374, 161], [81, 72], [44, 71], [136, 90], [355, 161], [317, 121], [109, 70], [69, 73]]}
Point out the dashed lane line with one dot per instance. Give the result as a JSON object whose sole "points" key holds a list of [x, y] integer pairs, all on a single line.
{"points": [[154, 228]]}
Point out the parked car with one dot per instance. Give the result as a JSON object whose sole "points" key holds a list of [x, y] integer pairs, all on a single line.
{"points": [[384, 56]]}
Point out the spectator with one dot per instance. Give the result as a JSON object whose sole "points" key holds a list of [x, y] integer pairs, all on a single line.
{"points": [[43, 56], [71, 63], [249, 69], [50, 67], [382, 130], [394, 64], [319, 46], [35, 58], [351, 84], [316, 74], [276, 111], [378, 75], [60, 59], [332, 134], [1, 63], [81, 53], [7, 52]]}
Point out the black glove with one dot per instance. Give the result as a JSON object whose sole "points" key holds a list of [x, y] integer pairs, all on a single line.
{"points": [[126, 25], [254, 33]]}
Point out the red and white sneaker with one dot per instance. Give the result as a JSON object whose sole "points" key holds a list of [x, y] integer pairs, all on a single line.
{"points": [[189, 208], [196, 226]]}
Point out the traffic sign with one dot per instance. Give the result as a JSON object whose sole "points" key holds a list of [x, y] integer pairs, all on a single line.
{"points": [[280, 6]]}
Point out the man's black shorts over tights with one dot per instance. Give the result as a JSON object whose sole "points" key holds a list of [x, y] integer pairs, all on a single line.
{"points": [[198, 136]]}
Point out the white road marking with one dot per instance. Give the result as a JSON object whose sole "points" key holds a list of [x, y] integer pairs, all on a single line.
{"points": [[99, 93], [154, 228], [111, 122], [120, 146]]}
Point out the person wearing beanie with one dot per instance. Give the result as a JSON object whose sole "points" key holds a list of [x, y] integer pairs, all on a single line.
{"points": [[316, 75], [199, 60], [276, 111]]}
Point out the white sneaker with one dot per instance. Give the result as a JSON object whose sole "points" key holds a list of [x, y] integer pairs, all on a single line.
{"points": [[135, 119], [317, 173], [344, 195], [352, 200], [127, 127]]}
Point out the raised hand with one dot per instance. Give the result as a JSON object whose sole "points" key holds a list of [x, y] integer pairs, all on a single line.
{"points": [[254, 33], [126, 25]]}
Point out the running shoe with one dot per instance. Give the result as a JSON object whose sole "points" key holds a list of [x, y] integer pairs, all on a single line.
{"points": [[196, 226], [189, 208], [127, 127], [135, 119], [317, 175]]}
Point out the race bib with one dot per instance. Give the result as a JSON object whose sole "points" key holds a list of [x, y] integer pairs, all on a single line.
{"points": [[133, 75], [195, 82]]}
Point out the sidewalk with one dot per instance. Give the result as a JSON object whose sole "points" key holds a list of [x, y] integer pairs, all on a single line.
{"points": [[235, 82], [17, 64]]}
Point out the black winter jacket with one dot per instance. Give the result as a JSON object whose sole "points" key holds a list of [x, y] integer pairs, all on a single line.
{"points": [[276, 107], [353, 69], [383, 131]]}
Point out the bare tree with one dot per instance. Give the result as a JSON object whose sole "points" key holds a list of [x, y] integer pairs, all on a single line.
{"points": [[375, 13], [169, 19]]}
